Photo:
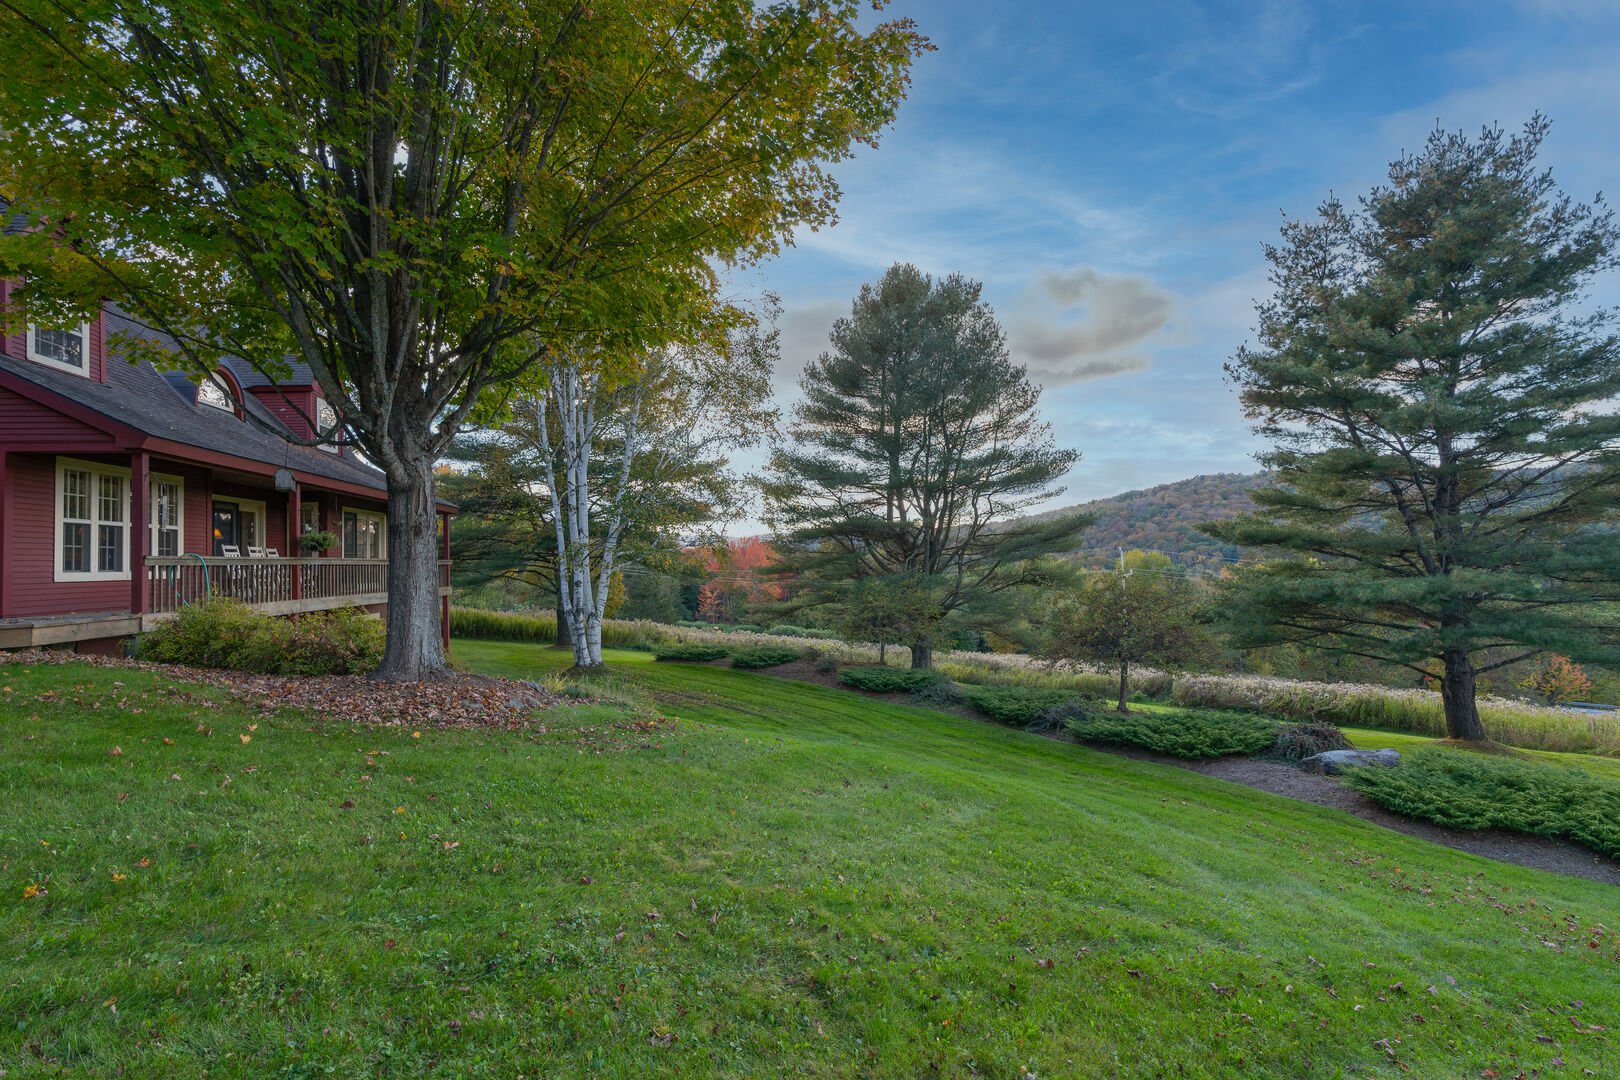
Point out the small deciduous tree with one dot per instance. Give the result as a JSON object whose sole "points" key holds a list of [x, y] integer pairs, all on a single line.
{"points": [[893, 610], [1446, 446], [1145, 613], [1556, 679]]}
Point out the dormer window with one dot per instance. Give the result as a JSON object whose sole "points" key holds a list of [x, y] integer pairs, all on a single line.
{"points": [[65, 349], [214, 393], [326, 423]]}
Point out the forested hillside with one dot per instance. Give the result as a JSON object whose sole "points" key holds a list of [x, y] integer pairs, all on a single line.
{"points": [[1166, 518]]}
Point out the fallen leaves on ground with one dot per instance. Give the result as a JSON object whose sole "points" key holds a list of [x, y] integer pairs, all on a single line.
{"points": [[457, 701]]}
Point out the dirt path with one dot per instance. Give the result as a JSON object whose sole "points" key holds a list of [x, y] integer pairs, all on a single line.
{"points": [[1536, 852]]}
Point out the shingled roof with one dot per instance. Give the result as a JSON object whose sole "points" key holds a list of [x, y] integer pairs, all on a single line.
{"points": [[139, 396]]}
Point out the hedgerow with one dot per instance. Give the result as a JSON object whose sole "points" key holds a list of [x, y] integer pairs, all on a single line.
{"points": [[1464, 790]]}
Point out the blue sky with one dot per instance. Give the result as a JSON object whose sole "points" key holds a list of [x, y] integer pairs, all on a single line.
{"points": [[1109, 171]]}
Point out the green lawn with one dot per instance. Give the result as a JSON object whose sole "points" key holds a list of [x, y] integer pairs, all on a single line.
{"points": [[789, 879]]}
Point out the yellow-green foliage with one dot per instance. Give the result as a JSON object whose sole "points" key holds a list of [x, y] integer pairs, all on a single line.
{"points": [[542, 627], [1014, 670]]}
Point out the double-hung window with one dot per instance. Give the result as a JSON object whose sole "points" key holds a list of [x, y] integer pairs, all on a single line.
{"points": [[66, 349], [168, 503], [92, 521]]}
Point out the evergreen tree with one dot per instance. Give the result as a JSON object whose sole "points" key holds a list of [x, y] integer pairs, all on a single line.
{"points": [[1441, 413], [916, 446]]}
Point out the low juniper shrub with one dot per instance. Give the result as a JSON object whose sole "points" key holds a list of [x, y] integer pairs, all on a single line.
{"points": [[763, 656], [1187, 733], [941, 694], [691, 652], [888, 680], [1058, 718], [1018, 706], [1464, 790]]}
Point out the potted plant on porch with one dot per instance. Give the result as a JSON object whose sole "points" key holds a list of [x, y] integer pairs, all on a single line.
{"points": [[316, 541]]}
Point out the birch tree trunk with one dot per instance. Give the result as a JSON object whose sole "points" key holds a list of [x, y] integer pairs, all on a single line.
{"points": [[583, 589]]}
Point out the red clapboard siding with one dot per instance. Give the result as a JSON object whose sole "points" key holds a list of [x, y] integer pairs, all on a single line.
{"points": [[30, 555], [23, 421], [291, 405]]}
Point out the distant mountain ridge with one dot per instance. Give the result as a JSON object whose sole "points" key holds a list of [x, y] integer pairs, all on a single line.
{"points": [[1166, 518]]}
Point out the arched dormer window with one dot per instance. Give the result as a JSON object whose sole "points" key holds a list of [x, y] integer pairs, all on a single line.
{"points": [[326, 425], [218, 391]]}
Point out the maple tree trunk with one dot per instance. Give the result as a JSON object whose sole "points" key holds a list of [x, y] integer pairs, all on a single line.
{"points": [[415, 649], [1124, 686], [1457, 693], [922, 657]]}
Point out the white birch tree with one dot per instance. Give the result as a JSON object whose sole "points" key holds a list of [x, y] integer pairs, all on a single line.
{"points": [[620, 451]]}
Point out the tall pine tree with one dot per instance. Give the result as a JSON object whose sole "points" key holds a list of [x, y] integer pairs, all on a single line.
{"points": [[1441, 408], [916, 446]]}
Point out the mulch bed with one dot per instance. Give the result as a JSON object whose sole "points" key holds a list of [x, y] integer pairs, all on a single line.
{"points": [[459, 701]]}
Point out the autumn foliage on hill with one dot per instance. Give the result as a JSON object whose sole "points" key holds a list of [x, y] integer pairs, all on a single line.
{"points": [[1166, 518]]}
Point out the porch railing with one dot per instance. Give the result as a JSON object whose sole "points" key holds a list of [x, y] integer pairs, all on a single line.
{"points": [[280, 586]]}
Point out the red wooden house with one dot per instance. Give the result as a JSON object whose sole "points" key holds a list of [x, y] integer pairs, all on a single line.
{"points": [[126, 492]]}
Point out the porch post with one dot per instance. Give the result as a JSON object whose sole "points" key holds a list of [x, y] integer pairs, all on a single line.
{"points": [[295, 523], [140, 534], [5, 521]]}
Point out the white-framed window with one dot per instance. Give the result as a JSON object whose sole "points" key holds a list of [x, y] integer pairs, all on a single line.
{"points": [[214, 393], [365, 534], [309, 518], [65, 349], [168, 515], [92, 521]]}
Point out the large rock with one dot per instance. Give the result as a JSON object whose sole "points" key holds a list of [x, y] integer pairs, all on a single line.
{"points": [[1334, 762]]}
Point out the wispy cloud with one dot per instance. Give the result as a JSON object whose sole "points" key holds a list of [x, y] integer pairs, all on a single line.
{"points": [[1080, 324]]}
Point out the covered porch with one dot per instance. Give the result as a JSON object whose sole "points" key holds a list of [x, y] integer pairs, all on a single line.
{"points": [[100, 546], [274, 585]]}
